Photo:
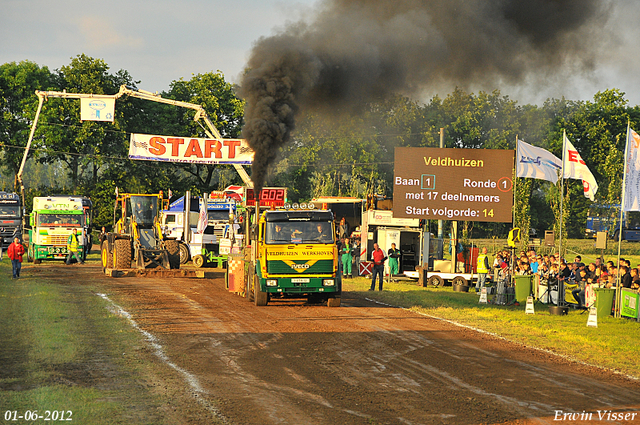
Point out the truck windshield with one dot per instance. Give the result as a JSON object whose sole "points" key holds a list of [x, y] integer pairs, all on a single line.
{"points": [[60, 220], [299, 232], [218, 215], [144, 209], [9, 210]]}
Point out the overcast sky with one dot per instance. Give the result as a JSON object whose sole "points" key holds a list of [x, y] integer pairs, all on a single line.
{"points": [[160, 41]]}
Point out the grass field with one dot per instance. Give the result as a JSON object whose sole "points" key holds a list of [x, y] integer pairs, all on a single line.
{"points": [[64, 353]]}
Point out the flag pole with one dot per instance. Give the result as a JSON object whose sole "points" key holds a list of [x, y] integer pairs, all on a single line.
{"points": [[561, 286], [564, 137], [622, 206], [515, 179]]}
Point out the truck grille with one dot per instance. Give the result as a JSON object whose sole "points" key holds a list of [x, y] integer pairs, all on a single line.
{"points": [[54, 240], [300, 267]]}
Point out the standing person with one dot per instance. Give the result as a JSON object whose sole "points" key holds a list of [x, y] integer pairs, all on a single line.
{"points": [[343, 229], [394, 256], [15, 252], [355, 255], [103, 235], [346, 258], [72, 247], [482, 269], [85, 238], [378, 258]]}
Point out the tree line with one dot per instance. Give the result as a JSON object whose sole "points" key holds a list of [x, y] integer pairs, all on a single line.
{"points": [[339, 154]]}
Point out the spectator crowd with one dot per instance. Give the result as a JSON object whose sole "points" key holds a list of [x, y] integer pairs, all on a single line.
{"points": [[551, 269]]}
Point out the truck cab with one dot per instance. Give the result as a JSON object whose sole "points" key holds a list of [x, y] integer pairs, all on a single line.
{"points": [[294, 255]]}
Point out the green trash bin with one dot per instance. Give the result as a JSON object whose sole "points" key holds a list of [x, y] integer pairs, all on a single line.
{"points": [[604, 301], [523, 287]]}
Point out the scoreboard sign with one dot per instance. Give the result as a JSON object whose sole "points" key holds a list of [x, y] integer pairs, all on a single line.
{"points": [[453, 184]]}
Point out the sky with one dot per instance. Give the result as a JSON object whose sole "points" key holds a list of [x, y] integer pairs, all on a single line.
{"points": [[160, 41]]}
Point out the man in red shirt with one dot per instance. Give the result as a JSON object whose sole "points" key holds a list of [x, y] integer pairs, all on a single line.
{"points": [[15, 252], [378, 258]]}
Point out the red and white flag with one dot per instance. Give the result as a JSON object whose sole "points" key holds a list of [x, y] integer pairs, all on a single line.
{"points": [[575, 168], [202, 218]]}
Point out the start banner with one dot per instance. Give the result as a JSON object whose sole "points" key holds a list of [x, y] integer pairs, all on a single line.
{"points": [[149, 147]]}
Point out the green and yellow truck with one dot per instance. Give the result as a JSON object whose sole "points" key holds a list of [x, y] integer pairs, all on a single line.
{"points": [[291, 253], [52, 220]]}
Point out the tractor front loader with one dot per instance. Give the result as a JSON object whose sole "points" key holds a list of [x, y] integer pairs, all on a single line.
{"points": [[137, 240]]}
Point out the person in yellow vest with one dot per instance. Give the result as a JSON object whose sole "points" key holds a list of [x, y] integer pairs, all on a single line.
{"points": [[482, 269], [72, 247]]}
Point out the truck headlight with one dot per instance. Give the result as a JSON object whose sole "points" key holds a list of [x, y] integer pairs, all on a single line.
{"points": [[272, 282], [328, 282]]}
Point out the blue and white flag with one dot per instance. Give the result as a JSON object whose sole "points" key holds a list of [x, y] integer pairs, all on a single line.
{"points": [[632, 173], [536, 163]]}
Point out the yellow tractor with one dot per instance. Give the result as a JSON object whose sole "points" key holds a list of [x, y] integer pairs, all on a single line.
{"points": [[137, 239]]}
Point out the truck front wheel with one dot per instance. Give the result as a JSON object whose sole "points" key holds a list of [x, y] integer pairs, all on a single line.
{"points": [[259, 298], [333, 302]]}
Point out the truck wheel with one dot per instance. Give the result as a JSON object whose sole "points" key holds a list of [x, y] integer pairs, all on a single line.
{"points": [[173, 250], [333, 302], [259, 298], [107, 260], [249, 290], [37, 261], [184, 254], [122, 254], [198, 260]]}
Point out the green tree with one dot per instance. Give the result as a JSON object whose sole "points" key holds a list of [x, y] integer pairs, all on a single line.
{"points": [[18, 104]]}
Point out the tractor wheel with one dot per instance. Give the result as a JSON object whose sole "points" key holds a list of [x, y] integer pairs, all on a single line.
{"points": [[184, 254], [107, 259], [173, 249], [259, 298], [122, 254], [198, 260]]}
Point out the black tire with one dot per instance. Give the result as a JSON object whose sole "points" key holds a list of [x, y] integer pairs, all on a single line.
{"points": [[259, 298], [122, 254], [459, 280], [173, 250], [198, 260], [333, 302], [35, 261], [249, 291], [107, 258], [184, 254], [435, 281]]}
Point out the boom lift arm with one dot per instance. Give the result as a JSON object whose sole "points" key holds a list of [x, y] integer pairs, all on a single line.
{"points": [[210, 129]]}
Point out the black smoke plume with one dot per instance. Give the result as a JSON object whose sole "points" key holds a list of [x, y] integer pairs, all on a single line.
{"points": [[357, 51]]}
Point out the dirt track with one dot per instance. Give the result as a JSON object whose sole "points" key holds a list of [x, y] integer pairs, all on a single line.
{"points": [[362, 363]]}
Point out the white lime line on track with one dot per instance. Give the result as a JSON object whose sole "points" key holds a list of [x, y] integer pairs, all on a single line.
{"points": [[192, 380]]}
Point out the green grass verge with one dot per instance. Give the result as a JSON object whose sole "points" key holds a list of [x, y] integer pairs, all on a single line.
{"points": [[614, 344], [62, 350]]}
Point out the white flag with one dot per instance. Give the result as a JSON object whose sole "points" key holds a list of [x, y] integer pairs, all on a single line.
{"points": [[536, 163], [575, 168], [632, 173]]}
